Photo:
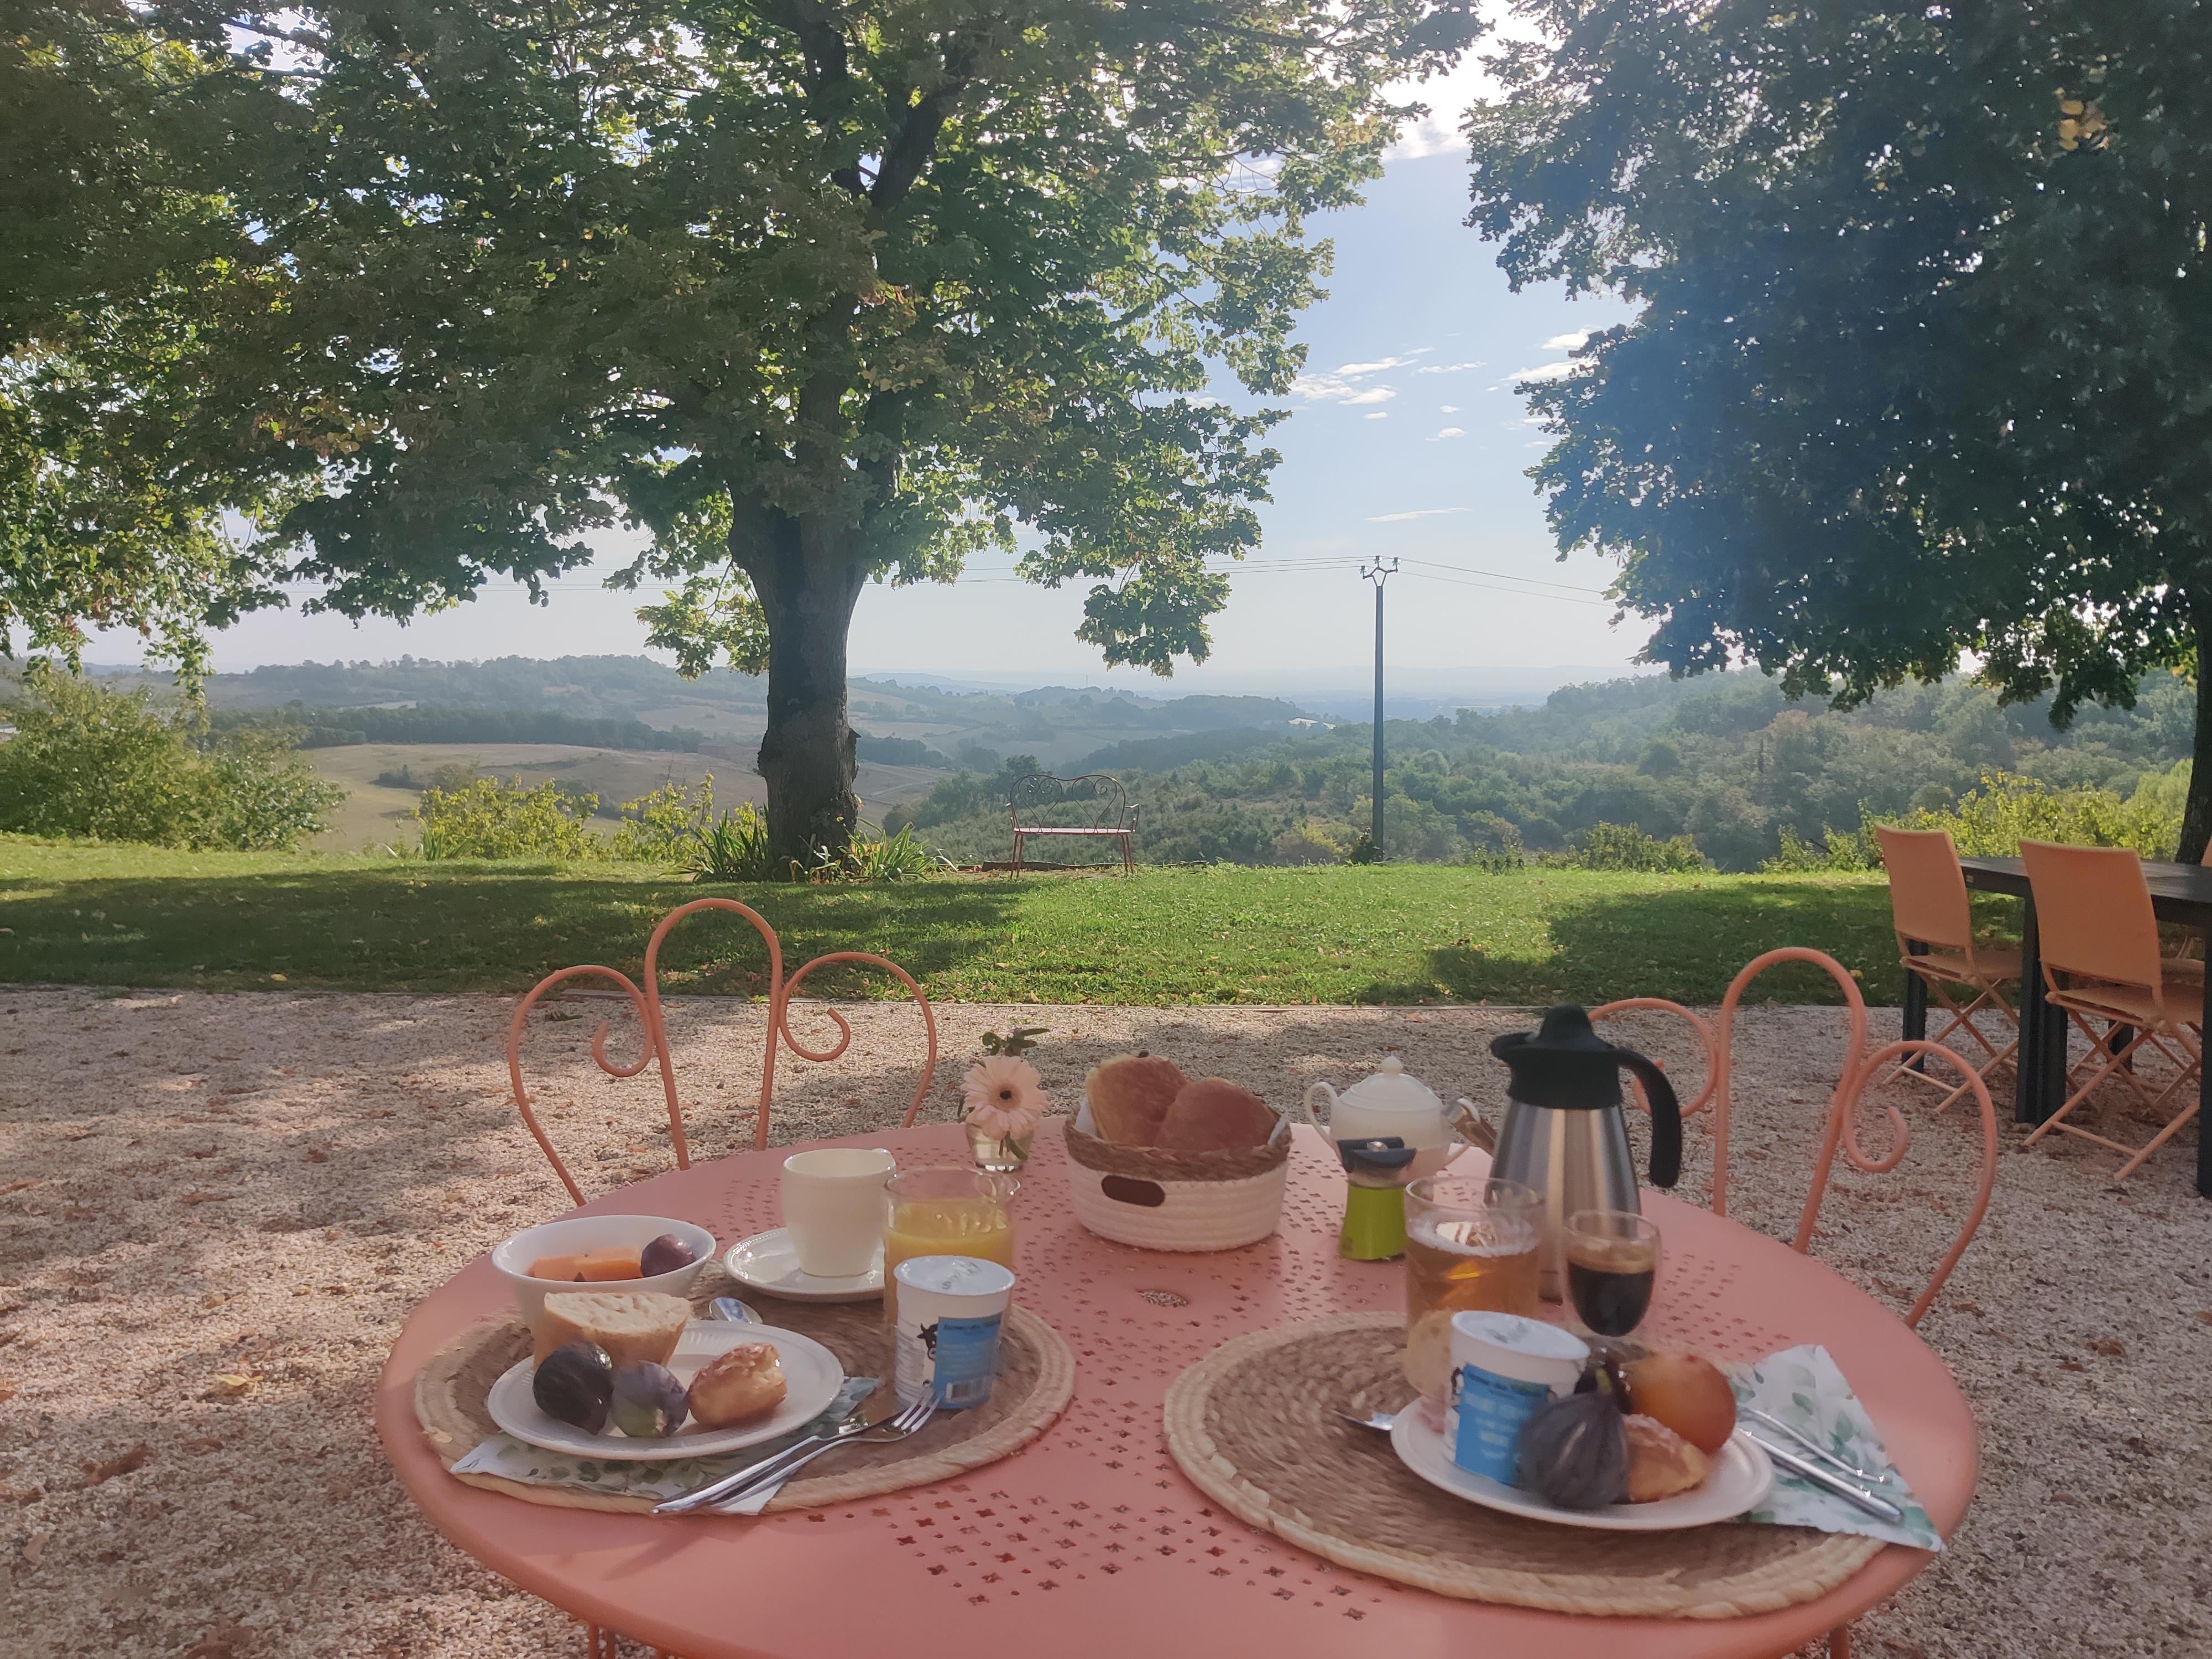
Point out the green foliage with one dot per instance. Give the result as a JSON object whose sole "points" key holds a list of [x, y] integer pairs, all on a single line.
{"points": [[814, 295], [331, 728], [1623, 846], [88, 762], [898, 856], [1991, 821], [1870, 414], [1018, 1041], [734, 847], [664, 826], [490, 819]]}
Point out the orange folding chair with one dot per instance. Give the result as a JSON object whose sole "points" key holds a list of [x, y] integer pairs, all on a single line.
{"points": [[2101, 963], [1935, 927]]}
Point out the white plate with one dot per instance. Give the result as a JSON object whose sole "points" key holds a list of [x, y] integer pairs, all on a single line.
{"points": [[1740, 1478], [811, 1377], [768, 1263]]}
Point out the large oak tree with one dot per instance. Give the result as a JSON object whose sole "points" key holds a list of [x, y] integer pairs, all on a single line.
{"points": [[817, 292], [1923, 368]]}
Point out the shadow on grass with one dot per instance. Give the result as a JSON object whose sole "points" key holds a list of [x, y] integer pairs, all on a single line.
{"points": [[427, 927], [1683, 942]]}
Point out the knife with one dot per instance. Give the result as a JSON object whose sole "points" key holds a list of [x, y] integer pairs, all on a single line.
{"points": [[1881, 1507]]}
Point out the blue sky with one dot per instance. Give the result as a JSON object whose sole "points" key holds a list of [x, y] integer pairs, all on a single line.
{"points": [[1406, 440]]}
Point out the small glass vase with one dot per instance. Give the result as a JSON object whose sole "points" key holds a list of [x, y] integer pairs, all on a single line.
{"points": [[1001, 1154]]}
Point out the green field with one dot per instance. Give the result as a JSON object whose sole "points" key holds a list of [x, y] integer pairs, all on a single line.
{"points": [[85, 914]]}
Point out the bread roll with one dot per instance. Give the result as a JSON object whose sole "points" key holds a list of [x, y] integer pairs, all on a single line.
{"points": [[735, 1387], [1214, 1115], [1661, 1463], [1130, 1096], [636, 1327]]}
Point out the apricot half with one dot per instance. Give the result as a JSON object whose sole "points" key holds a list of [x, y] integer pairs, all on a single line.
{"points": [[1686, 1393]]}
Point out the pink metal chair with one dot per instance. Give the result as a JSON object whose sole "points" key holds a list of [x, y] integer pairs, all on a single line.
{"points": [[599, 1643], [654, 1048], [1840, 1129]]}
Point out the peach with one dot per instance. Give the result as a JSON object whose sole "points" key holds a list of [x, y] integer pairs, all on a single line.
{"points": [[1686, 1393]]}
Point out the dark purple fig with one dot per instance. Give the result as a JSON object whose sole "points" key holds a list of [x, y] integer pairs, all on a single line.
{"points": [[1574, 1452], [573, 1384], [665, 1256], [649, 1402]]}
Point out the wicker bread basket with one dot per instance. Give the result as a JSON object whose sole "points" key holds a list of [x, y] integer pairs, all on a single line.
{"points": [[1169, 1200]]}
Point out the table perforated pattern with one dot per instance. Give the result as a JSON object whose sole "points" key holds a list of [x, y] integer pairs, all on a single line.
{"points": [[1137, 1319]]}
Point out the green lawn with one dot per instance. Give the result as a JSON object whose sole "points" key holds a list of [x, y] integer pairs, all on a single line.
{"points": [[129, 915]]}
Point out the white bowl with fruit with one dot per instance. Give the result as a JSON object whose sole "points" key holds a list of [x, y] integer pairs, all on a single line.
{"points": [[655, 1253]]}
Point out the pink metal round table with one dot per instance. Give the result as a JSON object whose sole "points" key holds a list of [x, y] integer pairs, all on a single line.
{"points": [[1090, 1541]]}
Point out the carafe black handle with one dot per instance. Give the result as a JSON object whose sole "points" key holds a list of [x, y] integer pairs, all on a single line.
{"points": [[1666, 1118]]}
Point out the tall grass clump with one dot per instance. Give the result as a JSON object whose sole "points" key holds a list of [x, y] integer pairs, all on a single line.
{"points": [[1992, 819], [115, 766]]}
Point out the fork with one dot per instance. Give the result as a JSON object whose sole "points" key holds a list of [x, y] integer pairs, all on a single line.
{"points": [[853, 1422], [912, 1420]]}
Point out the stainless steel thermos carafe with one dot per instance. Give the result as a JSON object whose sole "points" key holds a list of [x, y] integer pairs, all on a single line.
{"points": [[1563, 1133]]}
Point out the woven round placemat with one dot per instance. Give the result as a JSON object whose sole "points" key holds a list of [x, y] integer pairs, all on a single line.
{"points": [[1254, 1425], [1036, 1376]]}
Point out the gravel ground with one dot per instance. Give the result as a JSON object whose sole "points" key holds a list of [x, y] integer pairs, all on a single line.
{"points": [[215, 1211]]}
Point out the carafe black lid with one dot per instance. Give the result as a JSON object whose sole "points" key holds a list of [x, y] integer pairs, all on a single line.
{"points": [[1562, 1063]]}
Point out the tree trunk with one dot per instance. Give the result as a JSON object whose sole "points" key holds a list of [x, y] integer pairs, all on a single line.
{"points": [[2196, 816], [807, 591]]}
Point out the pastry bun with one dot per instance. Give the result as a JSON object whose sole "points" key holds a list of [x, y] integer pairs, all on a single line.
{"points": [[1130, 1096], [736, 1386], [1661, 1463], [1213, 1115]]}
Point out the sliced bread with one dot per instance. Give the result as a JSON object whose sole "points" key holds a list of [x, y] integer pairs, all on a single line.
{"points": [[634, 1327]]}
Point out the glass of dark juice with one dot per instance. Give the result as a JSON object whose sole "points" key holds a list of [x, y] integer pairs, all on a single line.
{"points": [[1612, 1260]]}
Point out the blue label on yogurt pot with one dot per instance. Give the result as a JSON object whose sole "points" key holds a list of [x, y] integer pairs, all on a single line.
{"points": [[955, 1358], [1487, 1413]]}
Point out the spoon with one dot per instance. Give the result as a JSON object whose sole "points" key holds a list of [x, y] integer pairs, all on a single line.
{"points": [[1381, 1422], [728, 1307]]}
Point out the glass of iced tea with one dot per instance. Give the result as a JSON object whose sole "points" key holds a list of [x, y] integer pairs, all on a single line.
{"points": [[1612, 1261], [1470, 1244]]}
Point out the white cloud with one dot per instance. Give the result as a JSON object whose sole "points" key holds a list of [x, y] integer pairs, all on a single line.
{"points": [[1343, 387], [1355, 371], [1546, 371], [1446, 409], [1422, 513], [1379, 414], [1567, 341], [1445, 368], [1448, 432]]}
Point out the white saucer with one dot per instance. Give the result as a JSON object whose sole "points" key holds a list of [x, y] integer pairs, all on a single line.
{"points": [[811, 1377], [1740, 1478], [768, 1264]]}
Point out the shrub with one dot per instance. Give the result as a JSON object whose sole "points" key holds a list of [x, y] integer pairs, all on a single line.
{"points": [[1625, 847], [1303, 843], [663, 826], [89, 761], [1991, 820], [489, 819]]}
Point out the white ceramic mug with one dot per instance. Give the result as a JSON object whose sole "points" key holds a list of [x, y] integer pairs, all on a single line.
{"points": [[834, 1207]]}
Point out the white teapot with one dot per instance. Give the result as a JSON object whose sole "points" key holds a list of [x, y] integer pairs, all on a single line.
{"points": [[1392, 1102]]}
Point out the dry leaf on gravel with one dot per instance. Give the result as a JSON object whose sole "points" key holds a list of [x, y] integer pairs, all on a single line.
{"points": [[122, 1463]]}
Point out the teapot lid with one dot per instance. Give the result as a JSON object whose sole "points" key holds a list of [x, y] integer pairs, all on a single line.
{"points": [[1562, 1063], [1391, 1085]]}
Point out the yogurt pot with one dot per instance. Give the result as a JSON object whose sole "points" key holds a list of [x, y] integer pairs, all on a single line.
{"points": [[950, 1311], [1504, 1370]]}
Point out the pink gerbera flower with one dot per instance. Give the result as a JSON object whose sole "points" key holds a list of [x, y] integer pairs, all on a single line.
{"points": [[1004, 1096]]}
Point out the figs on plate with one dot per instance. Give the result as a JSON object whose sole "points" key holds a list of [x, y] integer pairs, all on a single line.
{"points": [[574, 1384]]}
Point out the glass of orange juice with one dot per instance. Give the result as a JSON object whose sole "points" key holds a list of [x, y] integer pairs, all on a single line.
{"points": [[946, 1212]]}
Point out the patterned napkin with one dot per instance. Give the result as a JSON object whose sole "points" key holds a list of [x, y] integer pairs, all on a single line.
{"points": [[1805, 1389], [533, 1465]]}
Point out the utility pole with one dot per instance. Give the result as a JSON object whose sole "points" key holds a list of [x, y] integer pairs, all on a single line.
{"points": [[1378, 573]]}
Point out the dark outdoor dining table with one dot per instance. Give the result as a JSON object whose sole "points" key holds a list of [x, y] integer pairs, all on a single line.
{"points": [[2180, 893]]}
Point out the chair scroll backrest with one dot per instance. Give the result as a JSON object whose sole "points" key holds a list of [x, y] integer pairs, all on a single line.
{"points": [[1839, 1131], [1095, 801], [645, 998], [2094, 912], [1927, 888]]}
